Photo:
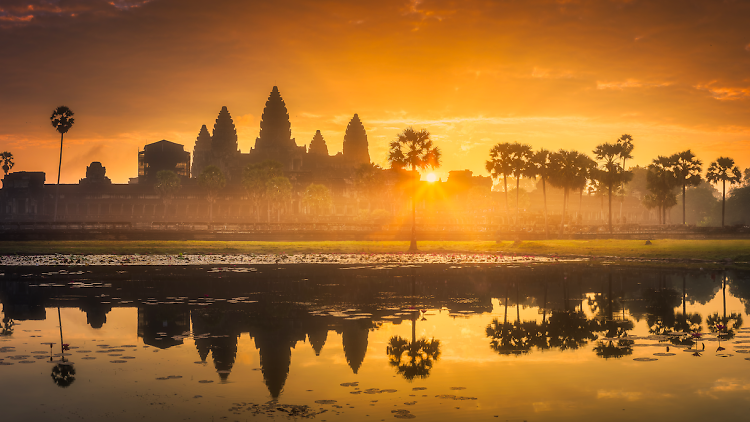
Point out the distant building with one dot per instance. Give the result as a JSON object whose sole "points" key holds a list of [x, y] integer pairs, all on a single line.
{"points": [[162, 155]]}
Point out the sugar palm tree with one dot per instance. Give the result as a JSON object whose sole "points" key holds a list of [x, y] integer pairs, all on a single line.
{"points": [[541, 166], [168, 183], [520, 158], [212, 180], [723, 170], [7, 159], [661, 181], [687, 172], [567, 173], [500, 164], [611, 173], [62, 120], [415, 150]]}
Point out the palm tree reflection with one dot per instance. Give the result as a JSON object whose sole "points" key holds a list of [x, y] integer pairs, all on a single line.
{"points": [[63, 374], [7, 329]]}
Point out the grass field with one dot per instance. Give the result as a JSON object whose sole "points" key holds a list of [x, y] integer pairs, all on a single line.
{"points": [[708, 250]]}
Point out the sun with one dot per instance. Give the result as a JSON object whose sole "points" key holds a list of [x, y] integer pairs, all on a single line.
{"points": [[431, 177]]}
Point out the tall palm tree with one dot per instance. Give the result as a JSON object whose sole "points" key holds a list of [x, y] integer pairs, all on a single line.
{"points": [[626, 143], [687, 171], [212, 180], [500, 164], [542, 167], [62, 120], [661, 181], [611, 172], [566, 167], [7, 159], [168, 183], [520, 156], [723, 170], [413, 149]]}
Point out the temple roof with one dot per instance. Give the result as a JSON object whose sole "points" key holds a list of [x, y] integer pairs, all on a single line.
{"points": [[275, 128], [224, 139], [318, 145], [356, 148]]}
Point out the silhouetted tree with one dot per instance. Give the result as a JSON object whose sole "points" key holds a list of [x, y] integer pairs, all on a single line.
{"points": [[415, 150], [63, 374], [687, 172], [520, 157], [567, 168], [168, 183], [723, 170], [317, 197], [501, 164], [254, 179], [611, 173], [278, 192], [367, 181], [7, 159], [419, 357], [62, 120], [541, 165], [661, 181], [212, 180]]}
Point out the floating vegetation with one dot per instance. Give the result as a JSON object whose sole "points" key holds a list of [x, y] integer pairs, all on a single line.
{"points": [[645, 359], [452, 397], [170, 377], [403, 414], [664, 354]]}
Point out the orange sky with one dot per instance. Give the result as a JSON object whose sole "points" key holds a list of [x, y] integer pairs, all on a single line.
{"points": [[554, 74]]}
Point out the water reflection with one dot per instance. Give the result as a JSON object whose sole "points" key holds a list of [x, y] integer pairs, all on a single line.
{"points": [[518, 313]]}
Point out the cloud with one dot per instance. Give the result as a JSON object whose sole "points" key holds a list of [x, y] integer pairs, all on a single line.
{"points": [[629, 83], [619, 394], [725, 385], [724, 93]]}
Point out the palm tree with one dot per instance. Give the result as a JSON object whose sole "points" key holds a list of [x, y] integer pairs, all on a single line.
{"points": [[278, 192], [413, 149], [611, 172], [254, 179], [168, 183], [687, 171], [626, 143], [7, 159], [317, 197], [567, 171], [723, 170], [661, 181], [520, 156], [212, 180], [62, 120], [500, 164], [542, 167]]}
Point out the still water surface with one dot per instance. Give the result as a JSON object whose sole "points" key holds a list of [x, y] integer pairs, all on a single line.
{"points": [[436, 342]]}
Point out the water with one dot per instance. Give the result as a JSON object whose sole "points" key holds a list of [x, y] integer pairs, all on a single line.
{"points": [[435, 342]]}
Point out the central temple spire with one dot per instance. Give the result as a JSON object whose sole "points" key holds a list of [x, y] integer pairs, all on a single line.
{"points": [[275, 129]]}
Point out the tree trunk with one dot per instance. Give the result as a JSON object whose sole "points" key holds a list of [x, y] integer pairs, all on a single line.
{"points": [[544, 192], [59, 167], [413, 243], [518, 185], [562, 220], [683, 204], [609, 187], [507, 208], [723, 199]]}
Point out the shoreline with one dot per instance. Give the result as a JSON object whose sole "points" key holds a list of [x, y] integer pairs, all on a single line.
{"points": [[663, 253]]}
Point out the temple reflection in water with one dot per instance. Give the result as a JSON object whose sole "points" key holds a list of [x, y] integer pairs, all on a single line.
{"points": [[534, 309]]}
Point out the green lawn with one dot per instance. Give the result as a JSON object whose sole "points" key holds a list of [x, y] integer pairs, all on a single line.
{"points": [[710, 250]]}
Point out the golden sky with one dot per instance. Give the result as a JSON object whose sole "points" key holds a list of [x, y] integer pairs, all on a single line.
{"points": [[555, 74]]}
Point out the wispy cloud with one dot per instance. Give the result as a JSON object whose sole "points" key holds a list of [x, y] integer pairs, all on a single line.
{"points": [[724, 93]]}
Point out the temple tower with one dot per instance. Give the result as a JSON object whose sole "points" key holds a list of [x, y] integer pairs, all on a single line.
{"points": [[318, 145], [224, 139], [356, 150], [275, 129], [201, 152]]}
